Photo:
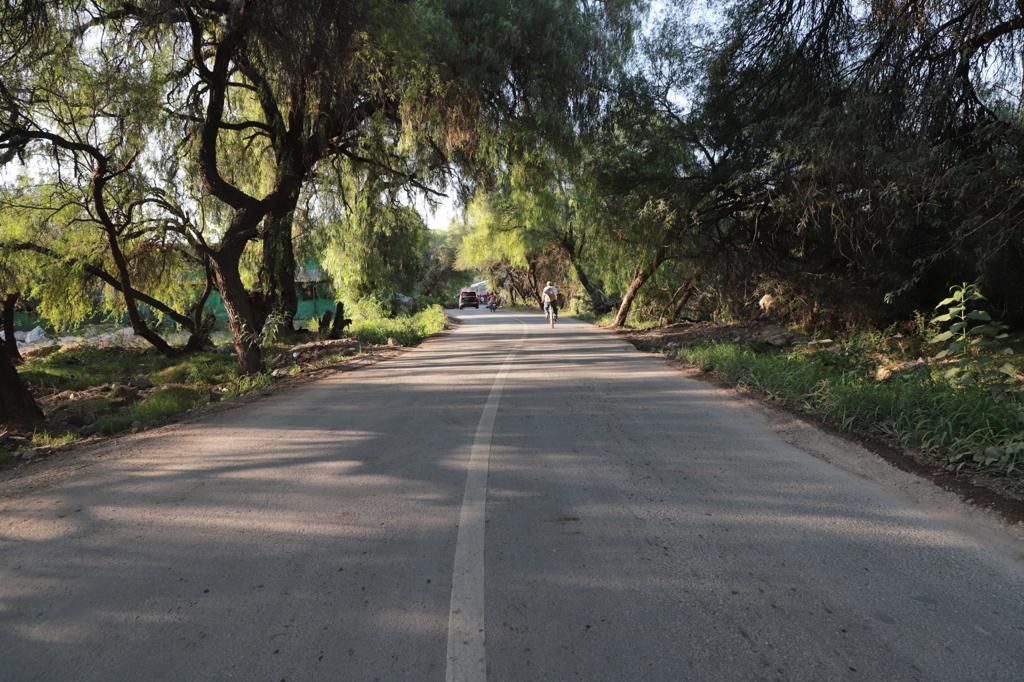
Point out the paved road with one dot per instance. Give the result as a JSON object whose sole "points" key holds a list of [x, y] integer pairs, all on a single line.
{"points": [[639, 526]]}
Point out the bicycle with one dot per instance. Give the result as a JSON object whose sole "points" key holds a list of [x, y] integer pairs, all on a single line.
{"points": [[551, 314]]}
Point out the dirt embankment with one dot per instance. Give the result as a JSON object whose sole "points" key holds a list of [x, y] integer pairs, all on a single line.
{"points": [[698, 333]]}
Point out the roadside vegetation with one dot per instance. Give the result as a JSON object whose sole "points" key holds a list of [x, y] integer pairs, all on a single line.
{"points": [[406, 331], [961, 428], [87, 391], [949, 388]]}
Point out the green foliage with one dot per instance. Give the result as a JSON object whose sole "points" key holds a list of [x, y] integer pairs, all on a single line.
{"points": [[978, 343], [165, 402], [964, 428], [241, 385], [408, 331], [442, 277], [374, 246], [47, 439], [200, 369]]}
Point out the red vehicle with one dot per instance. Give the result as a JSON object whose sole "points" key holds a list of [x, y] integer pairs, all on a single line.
{"points": [[467, 298]]}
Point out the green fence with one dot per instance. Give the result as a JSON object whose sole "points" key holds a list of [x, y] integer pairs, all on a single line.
{"points": [[308, 308]]}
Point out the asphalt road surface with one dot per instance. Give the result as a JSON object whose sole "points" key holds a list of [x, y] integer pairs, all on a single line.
{"points": [[506, 501]]}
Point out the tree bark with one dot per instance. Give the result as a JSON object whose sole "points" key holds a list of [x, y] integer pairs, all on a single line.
{"points": [[674, 310], [277, 274], [535, 287], [17, 406], [199, 333], [245, 330], [139, 325], [640, 277], [339, 324], [10, 343], [597, 299]]}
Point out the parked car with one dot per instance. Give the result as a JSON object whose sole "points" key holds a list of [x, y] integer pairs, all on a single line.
{"points": [[467, 298]]}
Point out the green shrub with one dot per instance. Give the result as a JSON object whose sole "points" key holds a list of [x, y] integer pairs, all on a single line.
{"points": [[408, 331], [978, 343]]}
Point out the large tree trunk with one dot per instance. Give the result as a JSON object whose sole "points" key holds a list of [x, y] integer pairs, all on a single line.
{"points": [[535, 287], [202, 324], [640, 277], [10, 343], [597, 299], [242, 318], [17, 407], [139, 325], [277, 273], [684, 294]]}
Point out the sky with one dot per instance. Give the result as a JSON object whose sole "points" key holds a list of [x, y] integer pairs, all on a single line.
{"points": [[439, 218]]}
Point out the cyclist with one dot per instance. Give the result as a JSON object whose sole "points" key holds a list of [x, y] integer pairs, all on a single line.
{"points": [[550, 298]]}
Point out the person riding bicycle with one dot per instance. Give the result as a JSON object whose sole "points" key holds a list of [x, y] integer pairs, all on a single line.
{"points": [[550, 298]]}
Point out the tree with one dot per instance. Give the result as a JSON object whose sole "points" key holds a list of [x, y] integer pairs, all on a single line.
{"points": [[374, 245], [17, 407], [515, 258], [323, 73], [81, 117]]}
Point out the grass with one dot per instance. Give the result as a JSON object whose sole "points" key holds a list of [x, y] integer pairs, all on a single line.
{"points": [[408, 331], [47, 439], [80, 368], [205, 369], [163, 403], [603, 320], [970, 428]]}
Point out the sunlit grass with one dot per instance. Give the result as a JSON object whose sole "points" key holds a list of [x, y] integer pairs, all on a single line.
{"points": [[163, 403], [47, 439]]}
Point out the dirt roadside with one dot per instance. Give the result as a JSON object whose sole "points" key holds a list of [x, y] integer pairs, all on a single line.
{"points": [[871, 456], [45, 464]]}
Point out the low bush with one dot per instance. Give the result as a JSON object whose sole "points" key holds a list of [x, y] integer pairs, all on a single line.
{"points": [[408, 331]]}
